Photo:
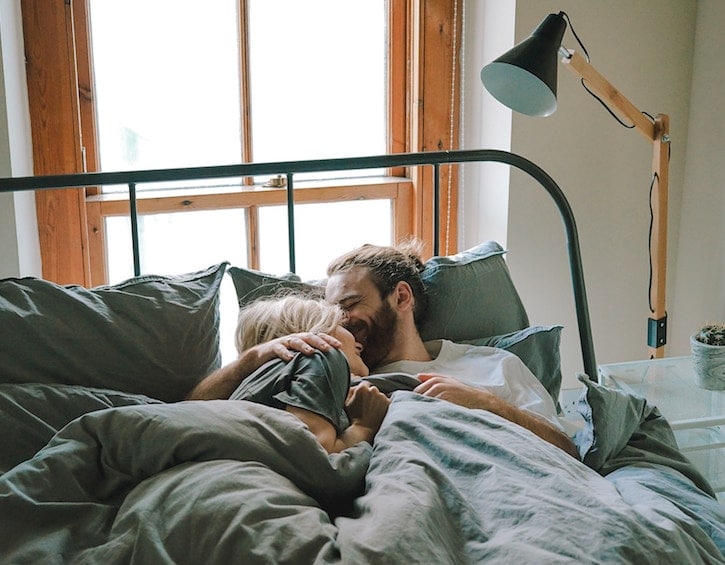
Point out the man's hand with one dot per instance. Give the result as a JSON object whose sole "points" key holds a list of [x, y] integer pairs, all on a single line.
{"points": [[223, 382], [453, 390], [286, 347]]}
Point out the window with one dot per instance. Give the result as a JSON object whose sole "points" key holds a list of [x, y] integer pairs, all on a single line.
{"points": [[172, 97], [287, 91]]}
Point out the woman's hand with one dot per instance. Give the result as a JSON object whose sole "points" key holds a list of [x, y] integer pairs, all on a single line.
{"points": [[366, 406]]}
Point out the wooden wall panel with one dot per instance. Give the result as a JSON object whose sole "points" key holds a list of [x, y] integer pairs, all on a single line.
{"points": [[55, 124], [435, 102]]}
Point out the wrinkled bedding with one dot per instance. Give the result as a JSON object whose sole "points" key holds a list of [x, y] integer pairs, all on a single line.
{"points": [[230, 481]]}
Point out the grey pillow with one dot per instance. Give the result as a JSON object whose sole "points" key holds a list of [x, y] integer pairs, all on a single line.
{"points": [[622, 429], [471, 295], [250, 284], [152, 335], [538, 348]]}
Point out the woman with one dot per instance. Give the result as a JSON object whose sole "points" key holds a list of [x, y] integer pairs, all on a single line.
{"points": [[315, 388]]}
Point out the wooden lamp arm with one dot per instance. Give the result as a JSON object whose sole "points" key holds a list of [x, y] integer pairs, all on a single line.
{"points": [[614, 99], [660, 171], [658, 133]]}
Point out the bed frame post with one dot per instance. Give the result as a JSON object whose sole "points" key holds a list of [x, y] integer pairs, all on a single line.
{"points": [[436, 208], [133, 213], [291, 222]]}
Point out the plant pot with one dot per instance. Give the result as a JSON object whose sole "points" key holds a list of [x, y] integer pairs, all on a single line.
{"points": [[708, 361]]}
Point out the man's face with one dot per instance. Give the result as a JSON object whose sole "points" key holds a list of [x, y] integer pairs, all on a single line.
{"points": [[370, 318]]}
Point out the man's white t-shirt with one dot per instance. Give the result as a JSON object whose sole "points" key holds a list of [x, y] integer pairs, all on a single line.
{"points": [[496, 370]]}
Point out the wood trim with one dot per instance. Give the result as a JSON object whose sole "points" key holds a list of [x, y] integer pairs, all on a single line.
{"points": [[160, 202], [253, 237], [55, 126], [89, 139], [245, 93], [402, 211], [97, 245], [397, 82], [658, 242], [86, 90], [245, 99], [436, 29], [399, 191]]}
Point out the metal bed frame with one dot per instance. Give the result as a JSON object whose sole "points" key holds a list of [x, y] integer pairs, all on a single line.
{"points": [[290, 168]]}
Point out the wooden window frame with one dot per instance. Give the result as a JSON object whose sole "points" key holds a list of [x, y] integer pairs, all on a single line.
{"points": [[423, 116]]}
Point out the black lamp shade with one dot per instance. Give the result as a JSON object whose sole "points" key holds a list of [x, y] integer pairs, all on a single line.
{"points": [[524, 78]]}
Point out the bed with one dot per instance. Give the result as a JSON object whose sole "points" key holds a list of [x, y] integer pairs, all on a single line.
{"points": [[103, 461]]}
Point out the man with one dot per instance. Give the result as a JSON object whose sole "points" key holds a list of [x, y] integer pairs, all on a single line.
{"points": [[381, 291]]}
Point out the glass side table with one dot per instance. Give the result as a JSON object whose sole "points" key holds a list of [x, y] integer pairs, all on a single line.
{"points": [[697, 415]]}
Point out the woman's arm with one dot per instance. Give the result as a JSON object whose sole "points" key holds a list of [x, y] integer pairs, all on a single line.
{"points": [[366, 407], [453, 390], [224, 381]]}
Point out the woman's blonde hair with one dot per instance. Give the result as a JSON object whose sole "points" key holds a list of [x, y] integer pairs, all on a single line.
{"points": [[266, 319]]}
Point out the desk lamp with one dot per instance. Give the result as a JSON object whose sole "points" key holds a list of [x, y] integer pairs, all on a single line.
{"points": [[524, 79]]}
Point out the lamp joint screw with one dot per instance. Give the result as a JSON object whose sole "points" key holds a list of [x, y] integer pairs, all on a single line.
{"points": [[665, 138]]}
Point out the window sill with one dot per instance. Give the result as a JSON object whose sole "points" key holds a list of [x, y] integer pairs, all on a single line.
{"points": [[175, 199]]}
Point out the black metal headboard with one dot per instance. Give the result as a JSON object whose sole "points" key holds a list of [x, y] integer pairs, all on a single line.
{"points": [[291, 168]]}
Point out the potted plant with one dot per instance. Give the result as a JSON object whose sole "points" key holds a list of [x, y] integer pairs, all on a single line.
{"points": [[708, 356]]}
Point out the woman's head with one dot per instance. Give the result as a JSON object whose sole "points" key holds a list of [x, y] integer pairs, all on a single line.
{"points": [[271, 318]]}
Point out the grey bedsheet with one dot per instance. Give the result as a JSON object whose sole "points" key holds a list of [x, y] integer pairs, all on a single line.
{"points": [[230, 481]]}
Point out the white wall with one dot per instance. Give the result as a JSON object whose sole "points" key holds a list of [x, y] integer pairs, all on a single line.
{"points": [[646, 49], [700, 277], [483, 214], [19, 252]]}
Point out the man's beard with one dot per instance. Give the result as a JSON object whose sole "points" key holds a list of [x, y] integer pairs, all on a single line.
{"points": [[380, 336]]}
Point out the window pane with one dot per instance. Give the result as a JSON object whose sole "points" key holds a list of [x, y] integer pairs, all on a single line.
{"points": [[317, 78], [167, 82], [168, 95], [172, 244], [322, 232]]}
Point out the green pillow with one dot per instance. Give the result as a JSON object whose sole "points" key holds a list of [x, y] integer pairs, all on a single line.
{"points": [[471, 295], [250, 284], [151, 335]]}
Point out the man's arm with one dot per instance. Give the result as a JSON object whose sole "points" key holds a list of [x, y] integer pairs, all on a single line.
{"points": [[452, 390], [223, 382]]}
